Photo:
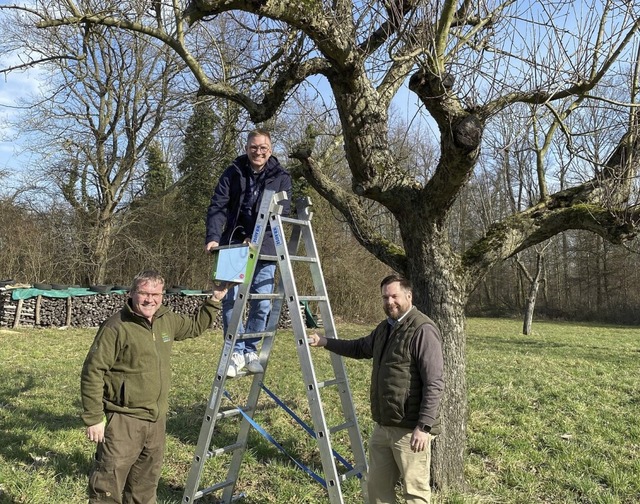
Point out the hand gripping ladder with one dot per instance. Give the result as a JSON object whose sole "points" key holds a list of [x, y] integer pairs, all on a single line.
{"points": [[298, 231]]}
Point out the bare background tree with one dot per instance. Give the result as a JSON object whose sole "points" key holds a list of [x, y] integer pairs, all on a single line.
{"points": [[103, 101], [566, 72]]}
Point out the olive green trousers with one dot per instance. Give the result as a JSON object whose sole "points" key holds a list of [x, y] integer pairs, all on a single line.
{"points": [[128, 464]]}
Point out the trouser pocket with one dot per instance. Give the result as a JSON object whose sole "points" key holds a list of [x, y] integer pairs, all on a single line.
{"points": [[103, 483]]}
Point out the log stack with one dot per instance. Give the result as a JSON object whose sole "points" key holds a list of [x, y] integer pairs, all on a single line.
{"points": [[89, 311]]}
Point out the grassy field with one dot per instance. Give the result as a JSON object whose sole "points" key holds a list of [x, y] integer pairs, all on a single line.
{"points": [[553, 417]]}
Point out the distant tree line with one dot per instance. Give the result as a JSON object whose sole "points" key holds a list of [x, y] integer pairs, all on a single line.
{"points": [[582, 278]]}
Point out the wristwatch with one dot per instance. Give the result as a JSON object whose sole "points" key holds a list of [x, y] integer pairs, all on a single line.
{"points": [[425, 428]]}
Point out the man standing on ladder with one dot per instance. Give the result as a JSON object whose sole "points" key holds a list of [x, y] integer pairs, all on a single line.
{"points": [[406, 387], [231, 218]]}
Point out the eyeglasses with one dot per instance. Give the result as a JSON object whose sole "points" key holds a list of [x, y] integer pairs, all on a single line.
{"points": [[152, 295], [259, 148]]}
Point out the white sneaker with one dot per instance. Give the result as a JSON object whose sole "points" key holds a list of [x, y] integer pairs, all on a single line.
{"points": [[253, 363], [237, 363]]}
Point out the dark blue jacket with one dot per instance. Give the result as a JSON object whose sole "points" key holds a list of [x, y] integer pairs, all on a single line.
{"points": [[224, 224]]}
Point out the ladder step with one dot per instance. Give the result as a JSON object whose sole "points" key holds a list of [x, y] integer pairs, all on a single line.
{"points": [[329, 383], [271, 258], [307, 259], [230, 413], [356, 471], [264, 296], [312, 298], [298, 222], [225, 449], [264, 334], [341, 427], [244, 372], [214, 488]]}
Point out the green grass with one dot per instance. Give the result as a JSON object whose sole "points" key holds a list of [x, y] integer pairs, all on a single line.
{"points": [[553, 417]]}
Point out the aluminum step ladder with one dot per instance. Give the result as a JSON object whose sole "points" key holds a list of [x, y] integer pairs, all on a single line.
{"points": [[289, 236]]}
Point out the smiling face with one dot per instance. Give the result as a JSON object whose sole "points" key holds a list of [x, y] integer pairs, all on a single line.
{"points": [[147, 298], [258, 149], [396, 300]]}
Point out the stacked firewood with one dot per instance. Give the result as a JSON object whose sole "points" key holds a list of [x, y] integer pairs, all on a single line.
{"points": [[90, 311]]}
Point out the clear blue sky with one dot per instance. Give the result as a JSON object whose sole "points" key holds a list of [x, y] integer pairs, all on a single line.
{"points": [[13, 87]]}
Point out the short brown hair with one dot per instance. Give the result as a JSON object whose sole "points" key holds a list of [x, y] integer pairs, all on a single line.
{"points": [[258, 132], [394, 277]]}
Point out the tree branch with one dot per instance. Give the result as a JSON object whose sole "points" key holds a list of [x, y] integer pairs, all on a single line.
{"points": [[349, 205]]}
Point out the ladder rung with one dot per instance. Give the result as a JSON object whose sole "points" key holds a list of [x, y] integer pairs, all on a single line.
{"points": [[214, 488], [225, 449], [356, 471], [299, 222], [263, 334], [303, 259], [329, 383], [312, 298], [340, 427], [264, 296], [230, 413], [292, 258], [244, 372]]}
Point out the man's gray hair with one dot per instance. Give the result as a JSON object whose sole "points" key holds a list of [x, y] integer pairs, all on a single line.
{"points": [[146, 276]]}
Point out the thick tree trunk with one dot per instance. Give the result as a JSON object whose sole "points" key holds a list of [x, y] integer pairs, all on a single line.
{"points": [[447, 469], [442, 295]]}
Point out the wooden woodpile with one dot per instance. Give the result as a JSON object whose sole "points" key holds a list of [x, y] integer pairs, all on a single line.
{"points": [[89, 311]]}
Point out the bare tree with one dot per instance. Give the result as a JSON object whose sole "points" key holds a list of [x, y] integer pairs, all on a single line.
{"points": [[534, 284], [103, 101], [466, 61]]}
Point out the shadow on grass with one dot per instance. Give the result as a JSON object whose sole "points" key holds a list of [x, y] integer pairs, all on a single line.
{"points": [[7, 499], [26, 432], [21, 425], [185, 424]]}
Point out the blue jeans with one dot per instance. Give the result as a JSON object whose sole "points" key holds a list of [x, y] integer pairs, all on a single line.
{"points": [[259, 309]]}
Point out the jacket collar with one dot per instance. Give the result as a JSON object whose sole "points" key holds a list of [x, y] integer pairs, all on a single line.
{"points": [[393, 323]]}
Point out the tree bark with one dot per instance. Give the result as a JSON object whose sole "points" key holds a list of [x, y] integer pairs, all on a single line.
{"points": [[442, 293], [447, 309]]}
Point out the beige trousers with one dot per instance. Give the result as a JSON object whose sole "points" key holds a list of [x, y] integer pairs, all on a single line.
{"points": [[391, 460]]}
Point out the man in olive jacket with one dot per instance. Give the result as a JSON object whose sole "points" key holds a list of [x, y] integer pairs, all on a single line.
{"points": [[125, 386], [406, 387]]}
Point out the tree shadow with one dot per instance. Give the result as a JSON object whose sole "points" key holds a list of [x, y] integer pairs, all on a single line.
{"points": [[22, 428], [185, 424]]}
